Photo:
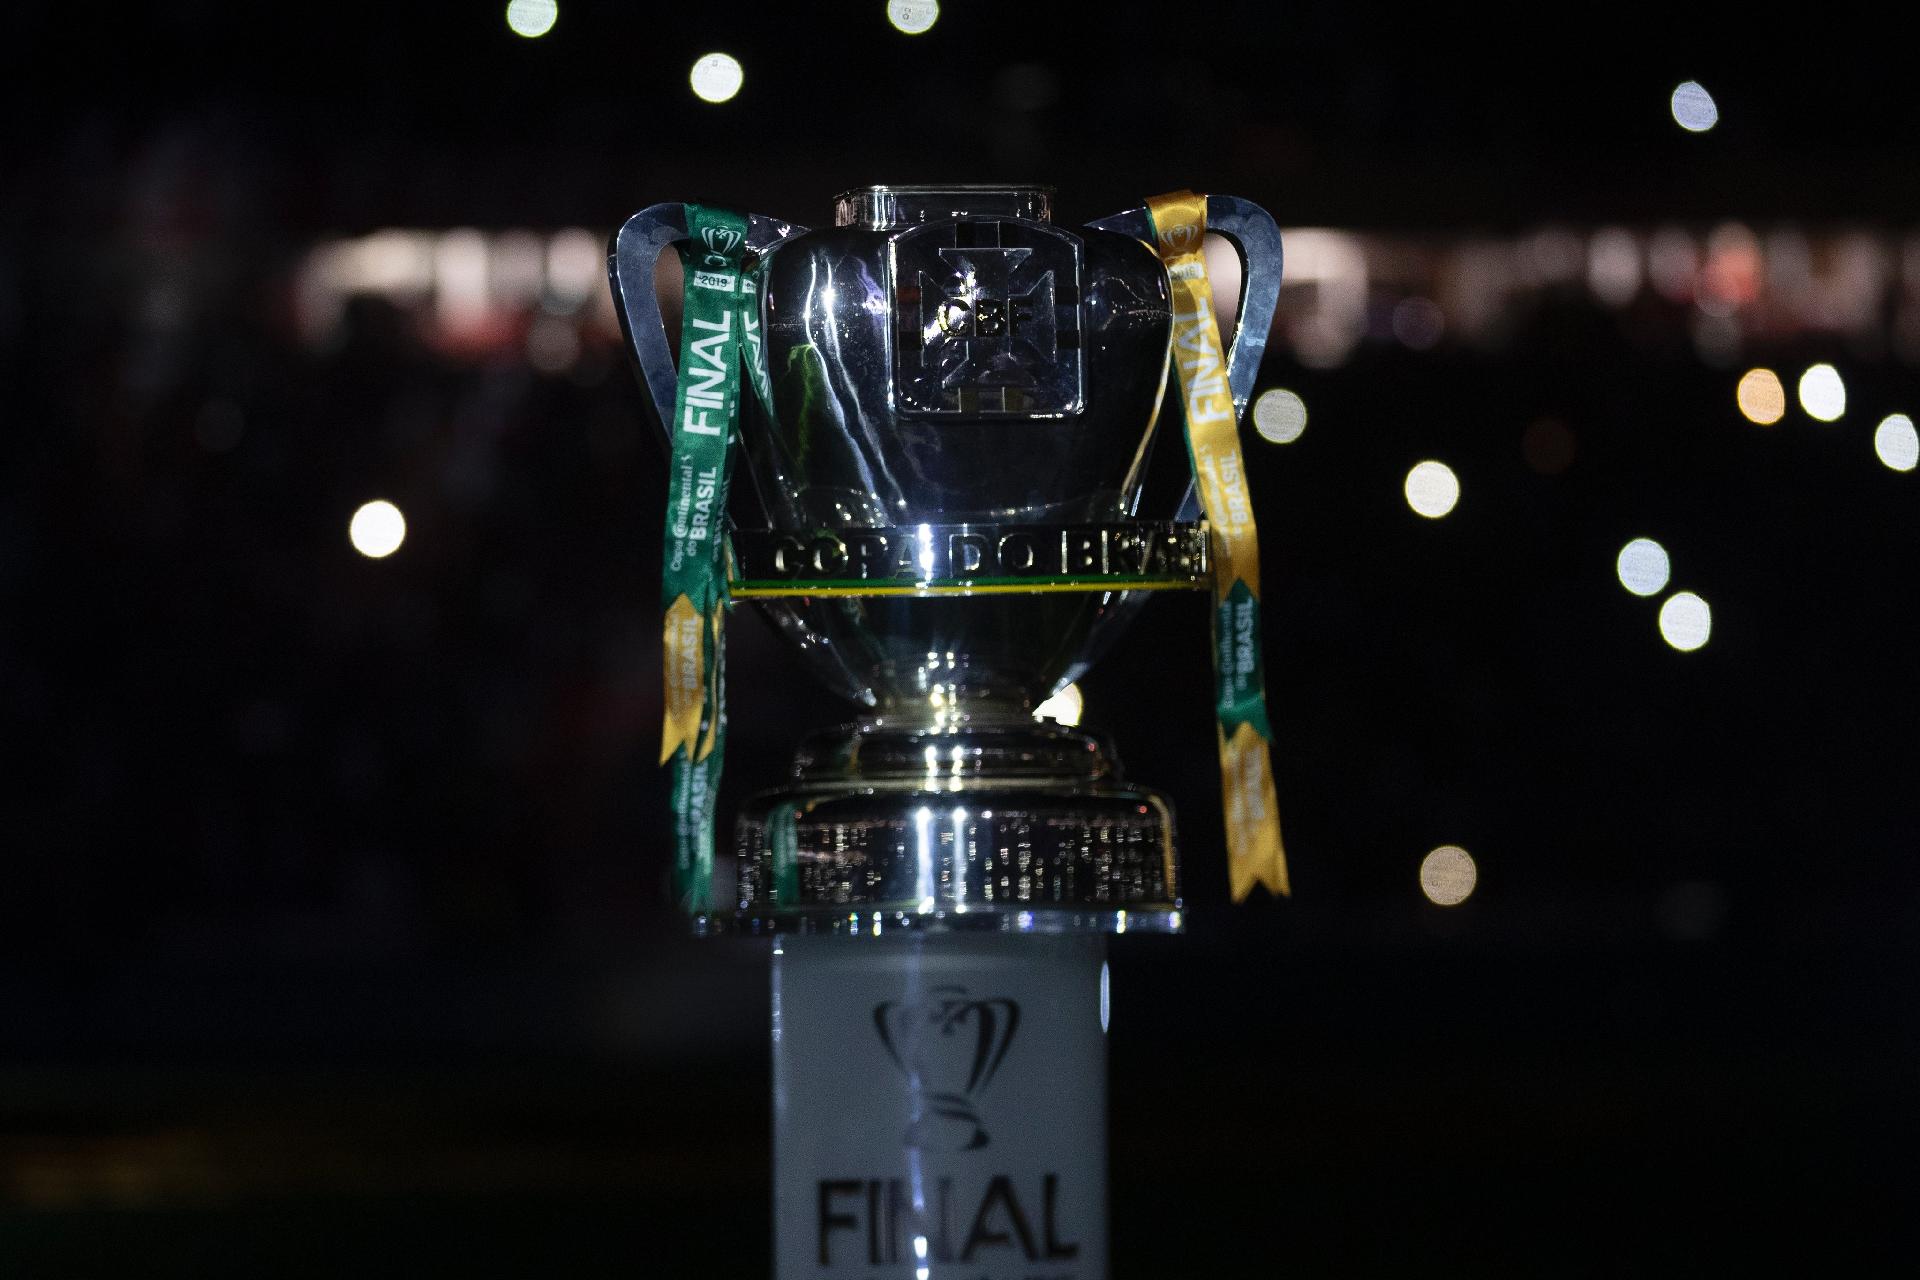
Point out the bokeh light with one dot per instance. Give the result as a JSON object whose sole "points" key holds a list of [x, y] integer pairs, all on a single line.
{"points": [[1613, 266], [1761, 397], [460, 297], [716, 77], [377, 529], [913, 17], [1896, 442], [1731, 278], [1432, 489], [1685, 621], [576, 267], [1822, 394], [1644, 567], [1279, 415], [532, 18], [1065, 706], [1694, 108], [1448, 875]]}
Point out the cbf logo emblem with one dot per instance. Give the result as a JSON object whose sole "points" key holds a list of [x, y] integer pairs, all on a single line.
{"points": [[987, 319], [1180, 237], [722, 241], [949, 1045]]}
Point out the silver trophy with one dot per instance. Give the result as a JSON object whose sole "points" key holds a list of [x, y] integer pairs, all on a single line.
{"points": [[948, 438], [960, 400]]}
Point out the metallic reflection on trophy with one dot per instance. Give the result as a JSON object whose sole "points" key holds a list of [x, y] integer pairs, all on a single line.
{"points": [[961, 399]]}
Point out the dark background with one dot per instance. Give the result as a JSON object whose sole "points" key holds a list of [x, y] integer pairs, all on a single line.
{"points": [[336, 936]]}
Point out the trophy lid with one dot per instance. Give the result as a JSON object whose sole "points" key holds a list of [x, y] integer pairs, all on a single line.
{"points": [[882, 208]]}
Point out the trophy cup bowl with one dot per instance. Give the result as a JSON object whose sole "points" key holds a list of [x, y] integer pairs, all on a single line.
{"points": [[957, 406]]}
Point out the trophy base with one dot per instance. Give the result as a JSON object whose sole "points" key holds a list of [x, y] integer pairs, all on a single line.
{"points": [[1014, 827]]}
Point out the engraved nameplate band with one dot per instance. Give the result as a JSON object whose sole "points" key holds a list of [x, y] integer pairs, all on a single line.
{"points": [[958, 559]]}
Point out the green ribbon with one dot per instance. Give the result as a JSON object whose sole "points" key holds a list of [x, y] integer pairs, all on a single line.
{"points": [[720, 328], [1240, 679], [783, 835]]}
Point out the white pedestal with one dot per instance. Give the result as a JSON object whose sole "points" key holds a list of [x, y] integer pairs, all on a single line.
{"points": [[940, 1107]]}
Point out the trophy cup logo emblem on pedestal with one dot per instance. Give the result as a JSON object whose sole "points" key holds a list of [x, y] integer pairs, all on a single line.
{"points": [[948, 1045]]}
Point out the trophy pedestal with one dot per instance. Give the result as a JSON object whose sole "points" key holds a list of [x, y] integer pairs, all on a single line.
{"points": [[994, 823], [939, 1107]]}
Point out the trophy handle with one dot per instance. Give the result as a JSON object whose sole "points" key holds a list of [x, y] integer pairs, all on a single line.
{"points": [[636, 247], [1255, 237]]}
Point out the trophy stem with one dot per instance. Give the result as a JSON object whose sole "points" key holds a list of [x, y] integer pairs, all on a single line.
{"points": [[940, 1107]]}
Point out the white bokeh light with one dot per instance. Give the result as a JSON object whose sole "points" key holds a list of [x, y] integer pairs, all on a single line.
{"points": [[1694, 108], [1613, 266], [1279, 415], [913, 17], [532, 18], [1822, 394], [1448, 875], [1643, 567], [1896, 442], [377, 529], [576, 266], [1685, 621], [1432, 489], [716, 77]]}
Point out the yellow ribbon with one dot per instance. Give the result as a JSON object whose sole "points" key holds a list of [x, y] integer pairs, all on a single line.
{"points": [[686, 678], [1254, 852]]}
